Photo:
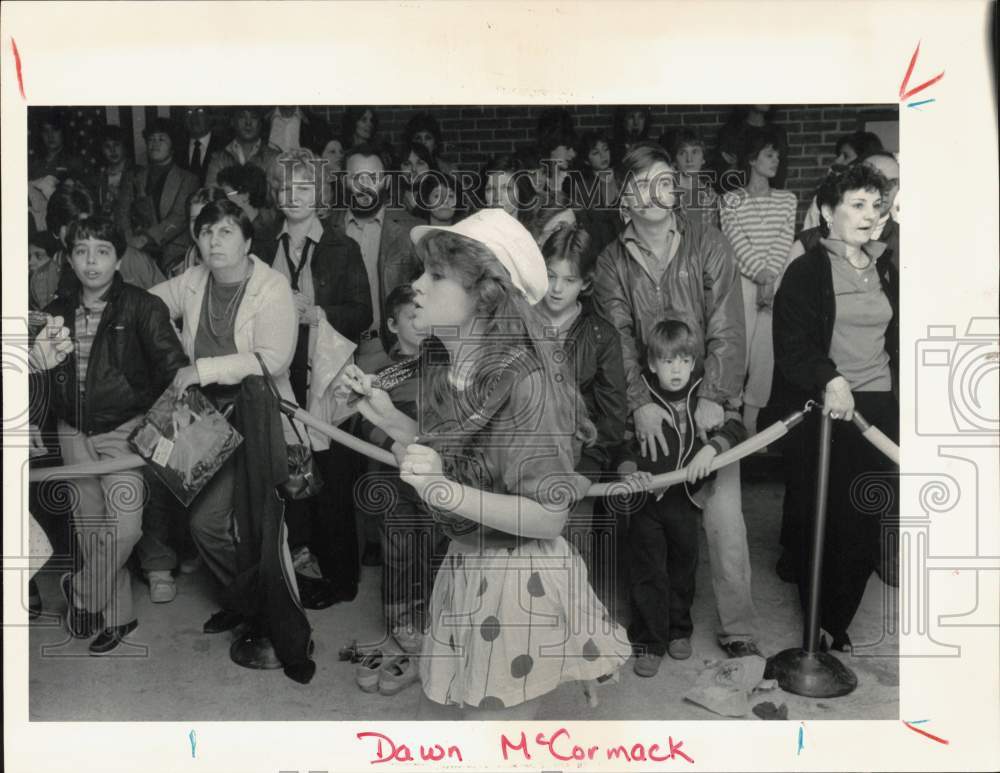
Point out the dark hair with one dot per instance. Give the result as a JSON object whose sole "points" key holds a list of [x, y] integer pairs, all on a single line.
{"points": [[683, 138], [423, 122], [161, 126], [425, 194], [619, 120], [553, 140], [207, 195], [365, 149], [554, 120], [857, 177], [112, 132], [399, 297], [571, 243], [877, 154], [67, 205], [590, 139], [97, 227], [421, 152], [755, 144], [864, 143], [670, 338], [249, 179], [56, 118], [217, 211], [353, 114]]}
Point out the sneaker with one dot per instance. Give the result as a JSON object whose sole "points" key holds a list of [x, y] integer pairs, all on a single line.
{"points": [[647, 665], [398, 673], [366, 673], [109, 639], [80, 623], [740, 648], [679, 649], [162, 588]]}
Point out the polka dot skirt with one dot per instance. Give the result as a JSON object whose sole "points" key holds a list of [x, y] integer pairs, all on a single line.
{"points": [[510, 625]]}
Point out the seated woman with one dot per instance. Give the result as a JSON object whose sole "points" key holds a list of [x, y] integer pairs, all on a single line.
{"points": [[500, 429], [836, 338], [234, 309], [196, 204]]}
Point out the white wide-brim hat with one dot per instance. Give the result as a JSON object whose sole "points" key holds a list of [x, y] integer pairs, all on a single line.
{"points": [[506, 238]]}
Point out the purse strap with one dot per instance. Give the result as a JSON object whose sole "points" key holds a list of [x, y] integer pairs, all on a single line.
{"points": [[284, 405]]}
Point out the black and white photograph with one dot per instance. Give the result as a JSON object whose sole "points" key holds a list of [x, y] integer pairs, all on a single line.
{"points": [[558, 370], [600, 343]]}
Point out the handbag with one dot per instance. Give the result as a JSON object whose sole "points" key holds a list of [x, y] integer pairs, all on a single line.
{"points": [[184, 440], [304, 479]]}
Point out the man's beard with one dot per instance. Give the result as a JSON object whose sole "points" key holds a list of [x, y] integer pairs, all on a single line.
{"points": [[366, 204]]}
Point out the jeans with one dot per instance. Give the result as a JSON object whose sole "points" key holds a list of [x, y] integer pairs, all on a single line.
{"points": [[213, 528], [107, 521]]}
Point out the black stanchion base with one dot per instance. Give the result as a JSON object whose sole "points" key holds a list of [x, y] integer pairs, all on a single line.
{"points": [[812, 674]]}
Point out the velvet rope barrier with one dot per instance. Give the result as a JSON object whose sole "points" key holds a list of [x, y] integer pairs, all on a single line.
{"points": [[876, 437], [734, 454]]}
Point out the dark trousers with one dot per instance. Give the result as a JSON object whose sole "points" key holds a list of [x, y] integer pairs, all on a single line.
{"points": [[326, 524], [663, 560], [863, 499]]}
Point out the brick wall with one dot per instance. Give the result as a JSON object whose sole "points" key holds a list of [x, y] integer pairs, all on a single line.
{"points": [[473, 134]]}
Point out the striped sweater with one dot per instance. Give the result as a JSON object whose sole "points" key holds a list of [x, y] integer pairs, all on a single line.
{"points": [[759, 228]]}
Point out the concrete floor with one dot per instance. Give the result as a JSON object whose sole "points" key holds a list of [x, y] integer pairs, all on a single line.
{"points": [[174, 672]]}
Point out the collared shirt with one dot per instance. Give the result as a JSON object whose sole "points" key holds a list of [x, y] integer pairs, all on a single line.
{"points": [[294, 254], [88, 319], [646, 257], [857, 346], [202, 148], [285, 131], [368, 234], [236, 149]]}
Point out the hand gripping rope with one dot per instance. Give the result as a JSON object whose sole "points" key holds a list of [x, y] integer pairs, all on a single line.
{"points": [[767, 436]]}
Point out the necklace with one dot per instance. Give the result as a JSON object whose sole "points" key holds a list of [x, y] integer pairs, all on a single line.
{"points": [[230, 308]]}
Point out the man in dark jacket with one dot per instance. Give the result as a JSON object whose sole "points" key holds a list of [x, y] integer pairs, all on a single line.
{"points": [[125, 354], [664, 260]]}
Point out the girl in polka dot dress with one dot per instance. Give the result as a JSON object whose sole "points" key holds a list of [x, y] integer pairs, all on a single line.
{"points": [[492, 453]]}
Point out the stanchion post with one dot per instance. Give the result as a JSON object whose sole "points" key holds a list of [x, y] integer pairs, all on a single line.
{"points": [[810, 636], [805, 670]]}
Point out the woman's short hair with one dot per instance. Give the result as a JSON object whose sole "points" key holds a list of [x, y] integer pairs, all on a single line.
{"points": [[571, 243], [97, 227], [217, 211], [423, 122], [421, 152], [755, 144], [672, 338], [590, 139], [249, 179], [161, 126], [683, 138], [67, 205], [857, 177]]}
